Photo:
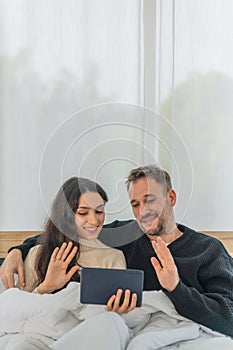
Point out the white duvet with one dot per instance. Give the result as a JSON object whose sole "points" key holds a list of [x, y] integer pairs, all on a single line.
{"points": [[32, 321]]}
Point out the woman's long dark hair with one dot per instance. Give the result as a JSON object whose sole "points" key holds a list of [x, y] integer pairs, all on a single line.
{"points": [[60, 226]]}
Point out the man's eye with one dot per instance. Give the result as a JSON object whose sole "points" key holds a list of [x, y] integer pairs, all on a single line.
{"points": [[150, 201], [82, 213], [134, 205]]}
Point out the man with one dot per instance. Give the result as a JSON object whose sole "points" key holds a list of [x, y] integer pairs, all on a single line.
{"points": [[193, 269]]}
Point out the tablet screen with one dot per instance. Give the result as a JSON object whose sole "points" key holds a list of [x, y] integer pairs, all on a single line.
{"points": [[98, 285]]}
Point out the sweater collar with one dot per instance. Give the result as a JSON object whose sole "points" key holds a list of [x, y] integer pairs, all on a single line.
{"points": [[86, 245]]}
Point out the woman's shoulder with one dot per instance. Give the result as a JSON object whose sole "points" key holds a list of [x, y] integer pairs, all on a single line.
{"points": [[33, 252]]}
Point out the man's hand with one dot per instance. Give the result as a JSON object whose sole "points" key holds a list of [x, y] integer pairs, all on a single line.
{"points": [[57, 275], [114, 302], [13, 263], [167, 273]]}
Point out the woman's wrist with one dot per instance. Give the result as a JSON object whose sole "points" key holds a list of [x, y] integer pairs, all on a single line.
{"points": [[44, 288]]}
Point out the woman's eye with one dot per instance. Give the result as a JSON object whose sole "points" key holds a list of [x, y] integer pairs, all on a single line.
{"points": [[99, 212], [82, 213]]}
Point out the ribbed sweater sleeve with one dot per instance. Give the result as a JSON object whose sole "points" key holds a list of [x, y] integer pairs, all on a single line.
{"points": [[26, 245], [211, 310], [207, 297]]}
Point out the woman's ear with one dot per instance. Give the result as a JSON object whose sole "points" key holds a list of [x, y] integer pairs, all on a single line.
{"points": [[171, 197]]}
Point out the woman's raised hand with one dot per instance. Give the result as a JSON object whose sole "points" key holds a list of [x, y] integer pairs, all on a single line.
{"points": [[57, 275], [128, 304]]}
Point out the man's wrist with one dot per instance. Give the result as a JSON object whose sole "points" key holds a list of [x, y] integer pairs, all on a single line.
{"points": [[170, 290], [15, 251]]}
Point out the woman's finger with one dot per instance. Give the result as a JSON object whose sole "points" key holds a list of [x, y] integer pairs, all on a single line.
{"points": [[71, 255], [126, 302], [72, 271], [67, 251], [117, 300], [61, 251], [110, 302], [133, 302], [54, 254]]}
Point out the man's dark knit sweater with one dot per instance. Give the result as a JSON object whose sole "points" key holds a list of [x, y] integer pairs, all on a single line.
{"points": [[205, 291]]}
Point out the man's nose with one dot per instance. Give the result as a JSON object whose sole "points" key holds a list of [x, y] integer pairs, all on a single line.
{"points": [[143, 210]]}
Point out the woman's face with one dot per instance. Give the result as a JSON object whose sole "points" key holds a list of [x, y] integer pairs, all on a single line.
{"points": [[89, 217]]}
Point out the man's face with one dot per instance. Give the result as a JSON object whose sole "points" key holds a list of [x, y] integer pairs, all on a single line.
{"points": [[152, 208]]}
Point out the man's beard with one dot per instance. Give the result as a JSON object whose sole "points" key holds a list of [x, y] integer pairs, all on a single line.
{"points": [[154, 232]]}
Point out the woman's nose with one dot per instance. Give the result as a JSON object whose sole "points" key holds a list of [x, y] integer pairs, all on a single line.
{"points": [[92, 219]]}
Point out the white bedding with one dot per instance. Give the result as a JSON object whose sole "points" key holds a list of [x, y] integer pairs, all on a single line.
{"points": [[36, 320]]}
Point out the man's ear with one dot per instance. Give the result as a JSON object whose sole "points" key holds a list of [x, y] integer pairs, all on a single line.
{"points": [[171, 197]]}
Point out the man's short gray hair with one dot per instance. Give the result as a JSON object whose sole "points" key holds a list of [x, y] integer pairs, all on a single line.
{"points": [[152, 171]]}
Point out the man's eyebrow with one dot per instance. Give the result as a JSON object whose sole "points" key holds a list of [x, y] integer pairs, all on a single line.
{"points": [[150, 195], [147, 195]]}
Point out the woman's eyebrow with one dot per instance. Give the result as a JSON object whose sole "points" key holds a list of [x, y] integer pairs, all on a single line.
{"points": [[84, 207], [100, 206]]}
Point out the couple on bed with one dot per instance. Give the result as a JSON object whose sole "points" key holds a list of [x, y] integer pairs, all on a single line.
{"points": [[193, 271]]}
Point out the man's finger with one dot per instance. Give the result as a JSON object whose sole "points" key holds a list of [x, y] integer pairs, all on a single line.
{"points": [[161, 251], [167, 258], [156, 265], [5, 281], [21, 275]]}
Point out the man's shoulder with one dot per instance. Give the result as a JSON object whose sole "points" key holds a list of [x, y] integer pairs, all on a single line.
{"points": [[199, 237]]}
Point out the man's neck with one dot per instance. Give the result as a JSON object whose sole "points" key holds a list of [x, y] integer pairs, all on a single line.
{"points": [[167, 237]]}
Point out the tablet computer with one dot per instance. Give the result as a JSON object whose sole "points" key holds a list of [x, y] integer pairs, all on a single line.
{"points": [[97, 285]]}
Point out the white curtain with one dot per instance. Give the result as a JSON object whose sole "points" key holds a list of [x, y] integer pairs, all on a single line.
{"points": [[58, 58], [73, 75], [196, 96]]}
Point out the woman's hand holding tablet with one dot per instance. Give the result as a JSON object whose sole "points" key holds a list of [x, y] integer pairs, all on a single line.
{"points": [[120, 290]]}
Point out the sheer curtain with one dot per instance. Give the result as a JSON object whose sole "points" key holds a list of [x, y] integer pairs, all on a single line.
{"points": [[195, 95], [74, 76], [59, 58]]}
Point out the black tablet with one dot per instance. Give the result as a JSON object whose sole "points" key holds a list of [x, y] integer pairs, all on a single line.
{"points": [[98, 285]]}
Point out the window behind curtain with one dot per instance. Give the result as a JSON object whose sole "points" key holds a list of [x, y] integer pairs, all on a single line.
{"points": [[57, 58], [196, 84]]}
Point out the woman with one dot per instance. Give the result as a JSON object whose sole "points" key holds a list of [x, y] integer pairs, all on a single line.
{"points": [[70, 239]]}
